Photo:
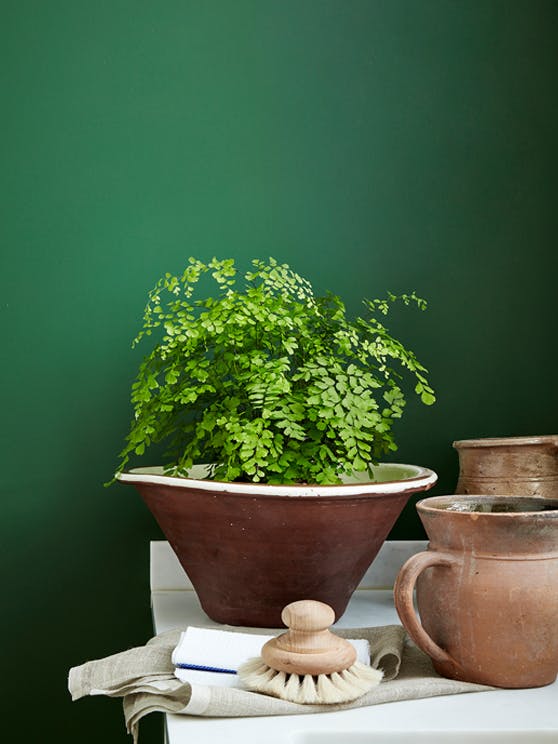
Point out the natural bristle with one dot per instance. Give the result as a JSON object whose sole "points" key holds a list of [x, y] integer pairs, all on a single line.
{"points": [[339, 687], [309, 664]]}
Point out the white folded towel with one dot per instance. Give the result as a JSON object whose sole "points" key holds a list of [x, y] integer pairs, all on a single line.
{"points": [[210, 656]]}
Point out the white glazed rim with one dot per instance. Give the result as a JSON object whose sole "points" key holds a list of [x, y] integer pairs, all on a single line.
{"points": [[420, 480]]}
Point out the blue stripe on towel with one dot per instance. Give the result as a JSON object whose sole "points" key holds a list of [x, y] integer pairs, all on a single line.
{"points": [[198, 668]]}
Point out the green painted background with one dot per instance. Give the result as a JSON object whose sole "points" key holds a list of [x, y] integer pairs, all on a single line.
{"points": [[372, 145]]}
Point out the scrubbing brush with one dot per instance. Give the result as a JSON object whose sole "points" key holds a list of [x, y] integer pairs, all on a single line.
{"points": [[308, 663]]}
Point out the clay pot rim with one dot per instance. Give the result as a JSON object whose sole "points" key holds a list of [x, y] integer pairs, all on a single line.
{"points": [[421, 480], [433, 505], [507, 441]]}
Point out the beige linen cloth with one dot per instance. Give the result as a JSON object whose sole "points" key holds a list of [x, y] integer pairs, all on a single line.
{"points": [[144, 678]]}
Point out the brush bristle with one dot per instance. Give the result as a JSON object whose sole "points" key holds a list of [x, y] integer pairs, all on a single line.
{"points": [[339, 687]]}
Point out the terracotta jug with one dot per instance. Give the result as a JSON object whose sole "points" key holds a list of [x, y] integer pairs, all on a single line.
{"points": [[487, 589], [521, 466]]}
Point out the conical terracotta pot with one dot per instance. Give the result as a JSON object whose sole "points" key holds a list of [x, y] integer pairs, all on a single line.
{"points": [[250, 549], [487, 589], [515, 466]]}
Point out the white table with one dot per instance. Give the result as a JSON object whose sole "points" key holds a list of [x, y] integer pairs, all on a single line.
{"points": [[496, 717]]}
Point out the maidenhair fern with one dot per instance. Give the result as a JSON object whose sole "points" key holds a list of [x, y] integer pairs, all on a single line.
{"points": [[265, 380]]}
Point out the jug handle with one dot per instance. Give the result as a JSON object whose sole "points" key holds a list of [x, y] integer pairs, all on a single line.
{"points": [[403, 596]]}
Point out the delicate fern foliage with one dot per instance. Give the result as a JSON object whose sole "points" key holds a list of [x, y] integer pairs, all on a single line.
{"points": [[267, 381]]}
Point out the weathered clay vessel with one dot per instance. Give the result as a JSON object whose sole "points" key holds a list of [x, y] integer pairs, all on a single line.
{"points": [[522, 466], [250, 549], [487, 589]]}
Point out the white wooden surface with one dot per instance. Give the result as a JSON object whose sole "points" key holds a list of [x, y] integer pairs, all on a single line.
{"points": [[496, 717]]}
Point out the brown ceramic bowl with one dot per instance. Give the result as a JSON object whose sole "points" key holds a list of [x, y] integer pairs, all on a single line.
{"points": [[250, 549]]}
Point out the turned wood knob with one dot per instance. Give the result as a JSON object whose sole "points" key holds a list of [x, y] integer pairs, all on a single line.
{"points": [[308, 647]]}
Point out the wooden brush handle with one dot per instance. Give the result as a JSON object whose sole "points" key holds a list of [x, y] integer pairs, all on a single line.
{"points": [[308, 647]]}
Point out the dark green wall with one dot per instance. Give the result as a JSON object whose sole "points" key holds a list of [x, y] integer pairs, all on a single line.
{"points": [[373, 145]]}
